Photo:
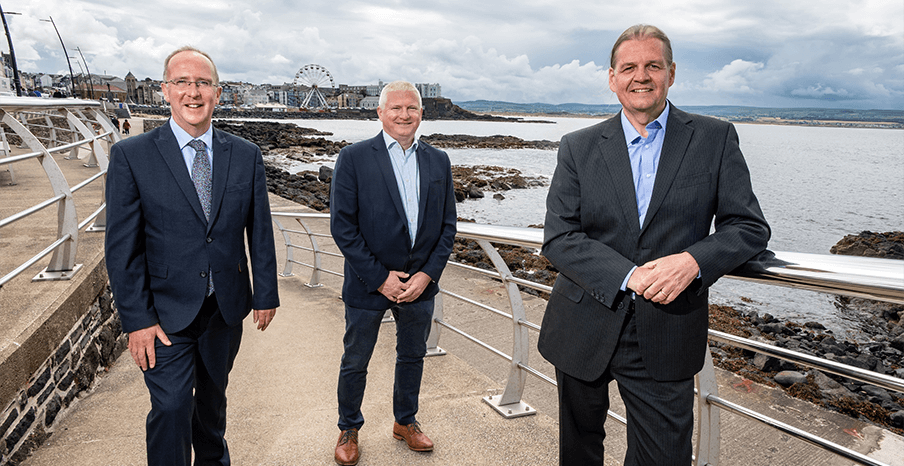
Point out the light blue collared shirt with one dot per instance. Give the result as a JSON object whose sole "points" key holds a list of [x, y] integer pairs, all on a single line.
{"points": [[644, 154], [404, 165], [188, 154]]}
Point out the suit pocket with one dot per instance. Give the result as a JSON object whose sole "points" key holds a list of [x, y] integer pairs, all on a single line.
{"points": [[568, 289], [238, 187], [693, 180], [157, 270]]}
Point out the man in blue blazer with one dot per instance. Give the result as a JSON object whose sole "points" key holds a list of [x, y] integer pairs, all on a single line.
{"points": [[392, 214], [181, 201], [628, 223]]}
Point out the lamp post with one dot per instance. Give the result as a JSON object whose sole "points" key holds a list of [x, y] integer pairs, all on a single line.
{"points": [[90, 81], [65, 54], [12, 52]]}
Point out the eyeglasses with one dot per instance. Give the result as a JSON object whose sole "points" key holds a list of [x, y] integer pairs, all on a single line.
{"points": [[184, 84]]}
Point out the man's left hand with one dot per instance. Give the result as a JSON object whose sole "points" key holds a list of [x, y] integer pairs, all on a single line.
{"points": [[669, 277], [414, 287], [263, 317]]}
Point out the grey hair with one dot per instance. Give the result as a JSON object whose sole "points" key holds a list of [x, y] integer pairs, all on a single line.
{"points": [[640, 32], [399, 86], [189, 48]]}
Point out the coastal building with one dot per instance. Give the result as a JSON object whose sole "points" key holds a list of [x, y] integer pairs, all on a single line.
{"points": [[432, 91], [370, 102]]}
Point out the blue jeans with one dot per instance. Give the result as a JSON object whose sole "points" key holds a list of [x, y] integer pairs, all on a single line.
{"points": [[361, 329]]}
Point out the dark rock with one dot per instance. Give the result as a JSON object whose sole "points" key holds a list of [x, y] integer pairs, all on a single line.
{"points": [[24, 424], [475, 193], [829, 387], [868, 244], [897, 343], [53, 408], [876, 392], [766, 363], [465, 141], [326, 174], [815, 325], [62, 352], [788, 378], [498, 197], [38, 384], [87, 370], [897, 419], [13, 414]]}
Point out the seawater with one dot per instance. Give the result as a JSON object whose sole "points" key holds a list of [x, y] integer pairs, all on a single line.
{"points": [[815, 186]]}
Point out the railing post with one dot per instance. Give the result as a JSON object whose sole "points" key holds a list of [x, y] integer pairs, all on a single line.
{"points": [[290, 252], [509, 404], [4, 148], [315, 274], [433, 348], [103, 162], [87, 133], [62, 263], [709, 433]]}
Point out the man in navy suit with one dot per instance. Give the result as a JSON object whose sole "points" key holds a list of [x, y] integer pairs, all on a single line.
{"points": [[628, 223], [181, 201], [392, 214]]}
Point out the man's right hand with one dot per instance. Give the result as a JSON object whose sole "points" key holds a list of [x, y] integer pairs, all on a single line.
{"points": [[141, 345], [392, 287]]}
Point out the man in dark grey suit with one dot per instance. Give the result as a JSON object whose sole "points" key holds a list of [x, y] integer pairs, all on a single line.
{"points": [[628, 224], [181, 201]]}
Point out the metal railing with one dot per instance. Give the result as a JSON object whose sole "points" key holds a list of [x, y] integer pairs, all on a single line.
{"points": [[63, 126], [879, 279]]}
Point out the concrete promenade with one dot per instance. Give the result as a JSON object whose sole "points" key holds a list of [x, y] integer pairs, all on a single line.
{"points": [[282, 391]]}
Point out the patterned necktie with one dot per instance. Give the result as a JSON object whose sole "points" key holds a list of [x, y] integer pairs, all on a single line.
{"points": [[201, 176]]}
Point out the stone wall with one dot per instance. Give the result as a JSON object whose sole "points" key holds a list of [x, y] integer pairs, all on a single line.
{"points": [[90, 348]]}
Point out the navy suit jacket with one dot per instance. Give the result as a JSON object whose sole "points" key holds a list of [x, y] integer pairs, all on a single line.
{"points": [[593, 237], [369, 225], [159, 246]]}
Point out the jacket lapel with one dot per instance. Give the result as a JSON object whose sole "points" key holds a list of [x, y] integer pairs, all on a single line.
{"points": [[172, 154], [614, 153], [423, 168], [678, 132], [381, 156], [222, 157]]}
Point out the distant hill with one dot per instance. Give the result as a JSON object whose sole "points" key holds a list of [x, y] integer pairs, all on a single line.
{"points": [[734, 113]]}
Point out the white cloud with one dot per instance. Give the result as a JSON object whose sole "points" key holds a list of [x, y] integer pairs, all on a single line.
{"points": [[739, 76], [819, 91]]}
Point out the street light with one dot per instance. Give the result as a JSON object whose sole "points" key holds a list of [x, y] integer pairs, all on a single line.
{"points": [[65, 54], [90, 81], [12, 53]]}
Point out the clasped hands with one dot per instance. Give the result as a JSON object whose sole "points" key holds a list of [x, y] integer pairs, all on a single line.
{"points": [[663, 279], [398, 291]]}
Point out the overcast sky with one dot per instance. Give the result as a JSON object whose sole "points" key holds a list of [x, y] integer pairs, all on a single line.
{"points": [[764, 53]]}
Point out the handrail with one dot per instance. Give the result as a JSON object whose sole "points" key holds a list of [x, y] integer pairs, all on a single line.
{"points": [[879, 279], [82, 121]]}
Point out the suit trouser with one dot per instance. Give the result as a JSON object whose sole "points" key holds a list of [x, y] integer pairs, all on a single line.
{"points": [[362, 327], [660, 414], [188, 391]]}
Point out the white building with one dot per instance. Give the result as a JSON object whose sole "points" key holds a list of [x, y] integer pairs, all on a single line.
{"points": [[429, 90]]}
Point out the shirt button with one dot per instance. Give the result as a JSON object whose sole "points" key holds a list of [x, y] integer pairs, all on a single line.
{"points": [[210, 240]]}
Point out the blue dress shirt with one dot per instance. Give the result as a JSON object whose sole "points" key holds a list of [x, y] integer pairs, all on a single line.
{"points": [[644, 153], [188, 154], [404, 165]]}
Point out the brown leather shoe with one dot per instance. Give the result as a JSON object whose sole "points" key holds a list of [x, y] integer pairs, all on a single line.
{"points": [[347, 448], [412, 434]]}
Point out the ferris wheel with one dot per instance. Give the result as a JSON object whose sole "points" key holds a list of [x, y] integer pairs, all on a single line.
{"points": [[314, 78]]}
